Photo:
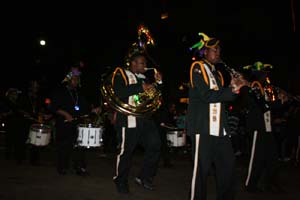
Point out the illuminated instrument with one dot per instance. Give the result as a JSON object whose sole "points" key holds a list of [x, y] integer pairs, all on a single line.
{"points": [[146, 102]]}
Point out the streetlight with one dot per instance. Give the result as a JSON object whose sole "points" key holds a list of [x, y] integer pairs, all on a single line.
{"points": [[42, 42]]}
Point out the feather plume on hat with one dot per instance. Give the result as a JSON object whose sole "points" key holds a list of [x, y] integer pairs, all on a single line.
{"points": [[205, 42]]}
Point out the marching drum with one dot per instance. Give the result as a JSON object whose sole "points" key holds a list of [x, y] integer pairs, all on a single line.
{"points": [[176, 138], [89, 136], [39, 134]]}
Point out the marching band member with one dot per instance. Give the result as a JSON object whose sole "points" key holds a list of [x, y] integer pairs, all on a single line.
{"points": [[132, 130], [68, 104], [263, 167], [207, 122]]}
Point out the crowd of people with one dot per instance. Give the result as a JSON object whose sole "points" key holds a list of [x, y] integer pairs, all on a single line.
{"points": [[258, 127]]}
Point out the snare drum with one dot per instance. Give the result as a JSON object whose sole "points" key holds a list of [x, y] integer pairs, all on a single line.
{"points": [[89, 136], [39, 134], [176, 138]]}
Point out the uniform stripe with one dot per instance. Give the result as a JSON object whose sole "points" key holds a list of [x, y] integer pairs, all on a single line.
{"points": [[221, 77], [251, 158], [121, 153], [197, 143], [122, 73], [202, 70]]}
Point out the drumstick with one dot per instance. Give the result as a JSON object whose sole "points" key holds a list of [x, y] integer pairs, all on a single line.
{"points": [[76, 118], [168, 126]]}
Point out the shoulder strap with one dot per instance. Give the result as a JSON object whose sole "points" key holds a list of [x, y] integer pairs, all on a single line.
{"points": [[203, 72]]}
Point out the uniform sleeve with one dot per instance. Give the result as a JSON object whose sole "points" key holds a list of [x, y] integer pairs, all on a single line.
{"points": [[203, 91]]}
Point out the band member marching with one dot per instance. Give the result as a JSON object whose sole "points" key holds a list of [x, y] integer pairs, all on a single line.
{"points": [[68, 104], [207, 121], [135, 100], [257, 101]]}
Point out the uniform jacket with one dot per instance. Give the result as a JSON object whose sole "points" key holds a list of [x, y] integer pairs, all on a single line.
{"points": [[200, 97], [123, 90], [254, 110]]}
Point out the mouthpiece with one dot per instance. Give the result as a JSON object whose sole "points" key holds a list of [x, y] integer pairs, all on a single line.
{"points": [[148, 68]]}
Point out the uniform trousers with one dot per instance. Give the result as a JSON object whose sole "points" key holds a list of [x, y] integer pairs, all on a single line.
{"points": [[145, 134], [263, 160], [209, 151], [67, 152]]}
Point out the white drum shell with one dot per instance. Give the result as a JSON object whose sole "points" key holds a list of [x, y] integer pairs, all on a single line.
{"points": [[176, 138], [89, 136], [39, 135]]}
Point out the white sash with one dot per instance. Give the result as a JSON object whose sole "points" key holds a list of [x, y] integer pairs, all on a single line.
{"points": [[214, 108], [131, 120], [267, 118]]}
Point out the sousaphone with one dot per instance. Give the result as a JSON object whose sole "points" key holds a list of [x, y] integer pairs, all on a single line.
{"points": [[145, 103]]}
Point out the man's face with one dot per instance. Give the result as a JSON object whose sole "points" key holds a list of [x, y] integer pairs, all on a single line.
{"points": [[139, 64], [213, 54]]}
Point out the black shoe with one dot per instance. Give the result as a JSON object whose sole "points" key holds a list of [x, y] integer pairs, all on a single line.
{"points": [[146, 183], [122, 188]]}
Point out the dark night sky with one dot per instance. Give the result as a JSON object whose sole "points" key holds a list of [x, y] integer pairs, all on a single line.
{"points": [[249, 31]]}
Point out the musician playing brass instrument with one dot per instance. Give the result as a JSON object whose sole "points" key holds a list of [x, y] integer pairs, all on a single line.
{"points": [[263, 167], [207, 121], [130, 86]]}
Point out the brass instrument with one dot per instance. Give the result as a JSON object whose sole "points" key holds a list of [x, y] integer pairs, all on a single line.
{"points": [[145, 103], [277, 93]]}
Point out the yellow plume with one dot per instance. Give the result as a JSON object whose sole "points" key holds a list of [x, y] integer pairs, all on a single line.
{"points": [[205, 37]]}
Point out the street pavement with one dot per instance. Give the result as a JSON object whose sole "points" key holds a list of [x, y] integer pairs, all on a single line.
{"points": [[27, 182]]}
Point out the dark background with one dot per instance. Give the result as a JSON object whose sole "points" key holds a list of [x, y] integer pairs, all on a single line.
{"points": [[100, 33]]}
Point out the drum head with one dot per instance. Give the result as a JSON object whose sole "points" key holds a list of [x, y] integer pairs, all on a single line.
{"points": [[89, 126], [85, 125], [40, 128]]}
